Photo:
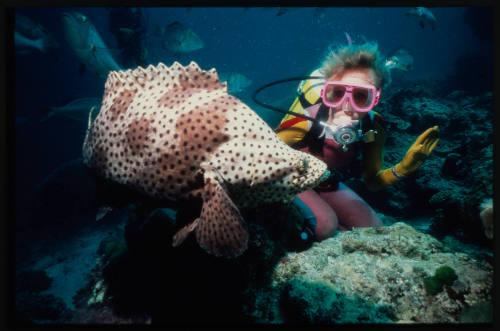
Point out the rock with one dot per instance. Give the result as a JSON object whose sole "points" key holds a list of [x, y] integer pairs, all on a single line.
{"points": [[478, 313], [461, 162], [372, 275], [452, 164], [423, 113]]}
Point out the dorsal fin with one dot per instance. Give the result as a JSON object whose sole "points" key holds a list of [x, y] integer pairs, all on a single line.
{"points": [[166, 78]]}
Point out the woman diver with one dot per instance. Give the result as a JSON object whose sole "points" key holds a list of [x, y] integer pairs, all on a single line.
{"points": [[345, 124]]}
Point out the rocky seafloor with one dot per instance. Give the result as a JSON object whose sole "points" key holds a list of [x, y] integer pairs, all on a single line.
{"points": [[367, 275], [374, 275], [123, 270]]}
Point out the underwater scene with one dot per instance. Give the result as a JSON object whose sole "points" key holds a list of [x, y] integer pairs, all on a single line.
{"points": [[252, 165]]}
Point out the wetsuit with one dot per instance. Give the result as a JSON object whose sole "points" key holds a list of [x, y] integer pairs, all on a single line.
{"points": [[346, 206]]}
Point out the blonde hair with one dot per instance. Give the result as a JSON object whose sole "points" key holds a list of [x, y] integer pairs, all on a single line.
{"points": [[362, 56]]}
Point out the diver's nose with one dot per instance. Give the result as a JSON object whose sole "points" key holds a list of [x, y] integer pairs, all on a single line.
{"points": [[347, 108]]}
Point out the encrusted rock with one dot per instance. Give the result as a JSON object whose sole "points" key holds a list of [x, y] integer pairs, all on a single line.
{"points": [[372, 275]]}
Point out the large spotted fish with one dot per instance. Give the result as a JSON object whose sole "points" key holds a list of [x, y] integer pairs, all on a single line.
{"points": [[175, 133]]}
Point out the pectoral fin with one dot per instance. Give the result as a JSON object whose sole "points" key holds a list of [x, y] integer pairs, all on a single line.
{"points": [[220, 229]]}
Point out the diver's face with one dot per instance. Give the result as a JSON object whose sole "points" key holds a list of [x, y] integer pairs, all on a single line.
{"points": [[355, 76]]}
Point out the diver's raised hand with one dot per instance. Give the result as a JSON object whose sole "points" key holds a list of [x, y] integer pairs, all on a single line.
{"points": [[418, 152]]}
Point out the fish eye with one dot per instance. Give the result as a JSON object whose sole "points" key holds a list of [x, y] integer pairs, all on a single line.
{"points": [[303, 165], [83, 18]]}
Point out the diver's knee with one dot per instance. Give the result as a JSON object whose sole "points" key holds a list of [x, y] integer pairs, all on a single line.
{"points": [[326, 225]]}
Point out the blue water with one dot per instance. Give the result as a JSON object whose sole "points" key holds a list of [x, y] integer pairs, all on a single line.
{"points": [[251, 41]]}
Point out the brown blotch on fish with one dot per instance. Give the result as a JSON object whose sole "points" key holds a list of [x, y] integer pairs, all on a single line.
{"points": [[170, 99], [121, 103], [194, 140], [137, 134]]}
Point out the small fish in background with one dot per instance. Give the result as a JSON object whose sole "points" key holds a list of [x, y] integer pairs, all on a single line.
{"points": [[236, 82], [486, 215], [180, 39], [77, 109], [424, 16], [86, 43], [399, 59], [32, 37]]}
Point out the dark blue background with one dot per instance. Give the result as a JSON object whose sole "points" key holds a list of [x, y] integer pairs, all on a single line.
{"points": [[252, 41]]}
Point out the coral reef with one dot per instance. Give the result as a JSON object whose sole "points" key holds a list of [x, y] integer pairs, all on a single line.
{"points": [[452, 183], [372, 275]]}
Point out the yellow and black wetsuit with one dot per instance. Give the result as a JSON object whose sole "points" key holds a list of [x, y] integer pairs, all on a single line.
{"points": [[303, 134]]}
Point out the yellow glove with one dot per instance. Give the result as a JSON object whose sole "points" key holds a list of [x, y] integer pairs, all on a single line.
{"points": [[418, 152]]}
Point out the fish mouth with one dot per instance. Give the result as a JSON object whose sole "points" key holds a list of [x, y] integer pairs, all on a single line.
{"points": [[318, 180], [305, 182]]}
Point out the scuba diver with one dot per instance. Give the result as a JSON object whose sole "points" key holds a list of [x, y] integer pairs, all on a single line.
{"points": [[128, 26], [333, 119]]}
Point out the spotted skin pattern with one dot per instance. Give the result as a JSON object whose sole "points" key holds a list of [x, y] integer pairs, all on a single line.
{"points": [[175, 133]]}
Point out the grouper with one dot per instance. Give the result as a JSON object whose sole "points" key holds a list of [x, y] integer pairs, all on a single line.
{"points": [[175, 133], [424, 16], [87, 44]]}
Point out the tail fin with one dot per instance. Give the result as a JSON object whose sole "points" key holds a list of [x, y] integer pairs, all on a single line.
{"points": [[47, 44]]}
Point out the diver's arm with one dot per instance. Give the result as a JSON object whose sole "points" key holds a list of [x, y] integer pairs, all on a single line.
{"points": [[376, 178], [373, 158], [292, 129], [293, 134]]}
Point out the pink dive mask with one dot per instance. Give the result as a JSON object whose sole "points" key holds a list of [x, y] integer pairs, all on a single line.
{"points": [[362, 98]]}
